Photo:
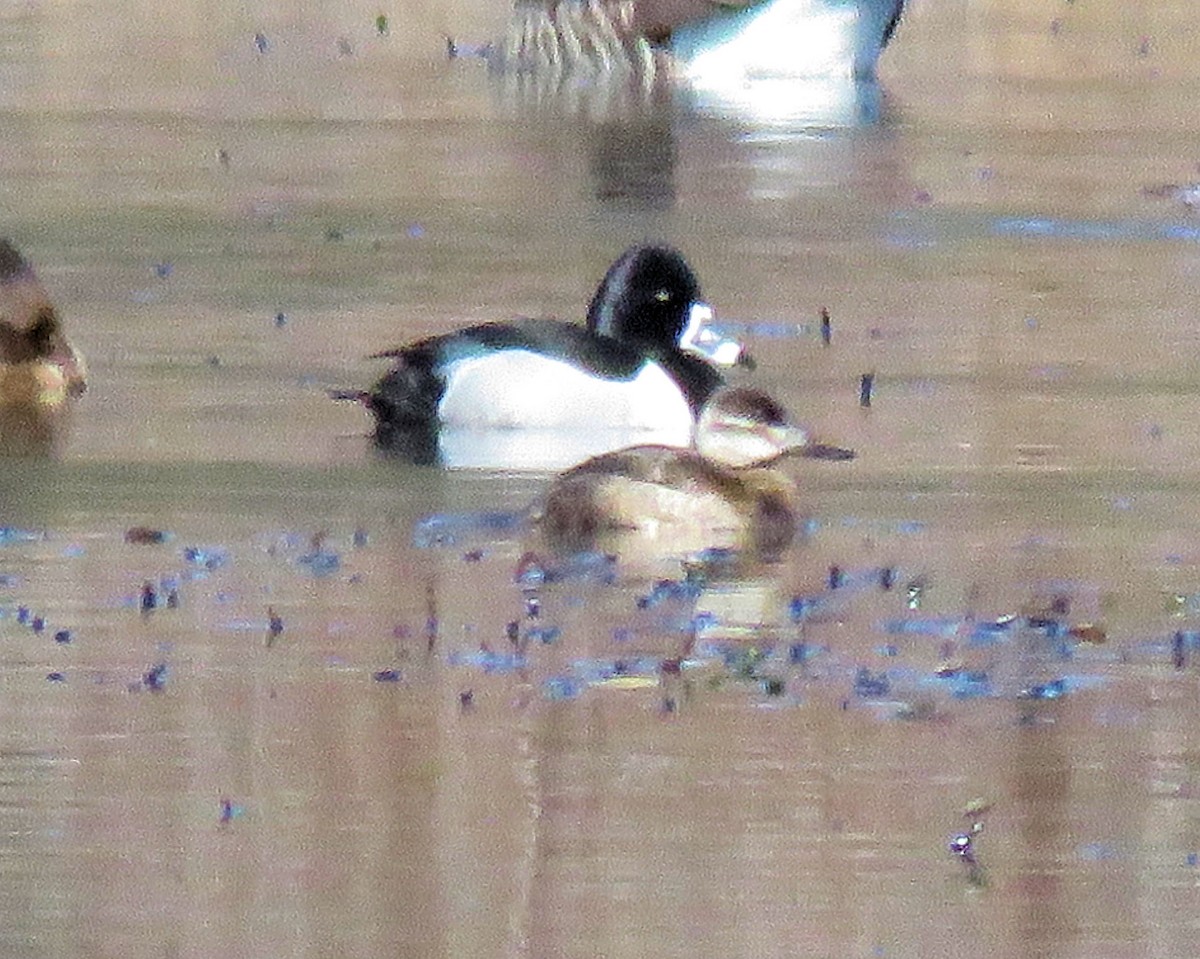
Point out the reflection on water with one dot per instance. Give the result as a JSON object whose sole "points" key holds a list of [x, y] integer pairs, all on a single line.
{"points": [[453, 748], [793, 102]]}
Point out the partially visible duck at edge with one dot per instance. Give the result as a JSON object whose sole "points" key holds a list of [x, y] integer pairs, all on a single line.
{"points": [[39, 368], [724, 492], [543, 394], [785, 38], [709, 41]]}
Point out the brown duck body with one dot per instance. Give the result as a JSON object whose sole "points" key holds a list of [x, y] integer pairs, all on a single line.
{"points": [[39, 368], [725, 492], [673, 496]]}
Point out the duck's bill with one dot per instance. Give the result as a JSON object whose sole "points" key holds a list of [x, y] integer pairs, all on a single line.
{"points": [[824, 451], [704, 340]]}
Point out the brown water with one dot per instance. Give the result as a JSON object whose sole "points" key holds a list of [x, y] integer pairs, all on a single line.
{"points": [[984, 247]]}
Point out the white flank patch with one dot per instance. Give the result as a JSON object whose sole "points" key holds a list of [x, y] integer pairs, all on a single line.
{"points": [[517, 409]]}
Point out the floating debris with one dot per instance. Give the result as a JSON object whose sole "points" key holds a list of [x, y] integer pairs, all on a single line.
{"points": [[992, 631], [801, 607], [155, 678], [209, 558], [963, 846], [869, 685], [968, 683], [866, 389], [320, 562], [1089, 633], [546, 635], [664, 590], [1054, 689], [798, 653], [145, 536]]}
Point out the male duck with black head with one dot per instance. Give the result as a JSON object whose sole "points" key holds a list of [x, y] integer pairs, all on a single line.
{"points": [[543, 394], [725, 491], [40, 371]]}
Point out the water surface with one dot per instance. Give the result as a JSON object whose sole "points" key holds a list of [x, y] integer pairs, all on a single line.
{"points": [[230, 231]]}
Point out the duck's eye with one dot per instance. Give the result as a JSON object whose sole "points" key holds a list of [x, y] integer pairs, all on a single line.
{"points": [[41, 333], [662, 295]]}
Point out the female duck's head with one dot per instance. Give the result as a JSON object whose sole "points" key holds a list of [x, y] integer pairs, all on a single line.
{"points": [[740, 427]]}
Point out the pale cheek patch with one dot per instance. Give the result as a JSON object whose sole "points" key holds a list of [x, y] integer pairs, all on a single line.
{"points": [[32, 384]]}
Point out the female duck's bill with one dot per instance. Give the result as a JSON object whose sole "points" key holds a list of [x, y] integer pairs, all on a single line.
{"points": [[543, 394], [724, 492], [39, 368]]}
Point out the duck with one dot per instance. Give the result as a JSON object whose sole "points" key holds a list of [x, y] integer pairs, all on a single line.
{"points": [[40, 370], [707, 42], [542, 394], [724, 491]]}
